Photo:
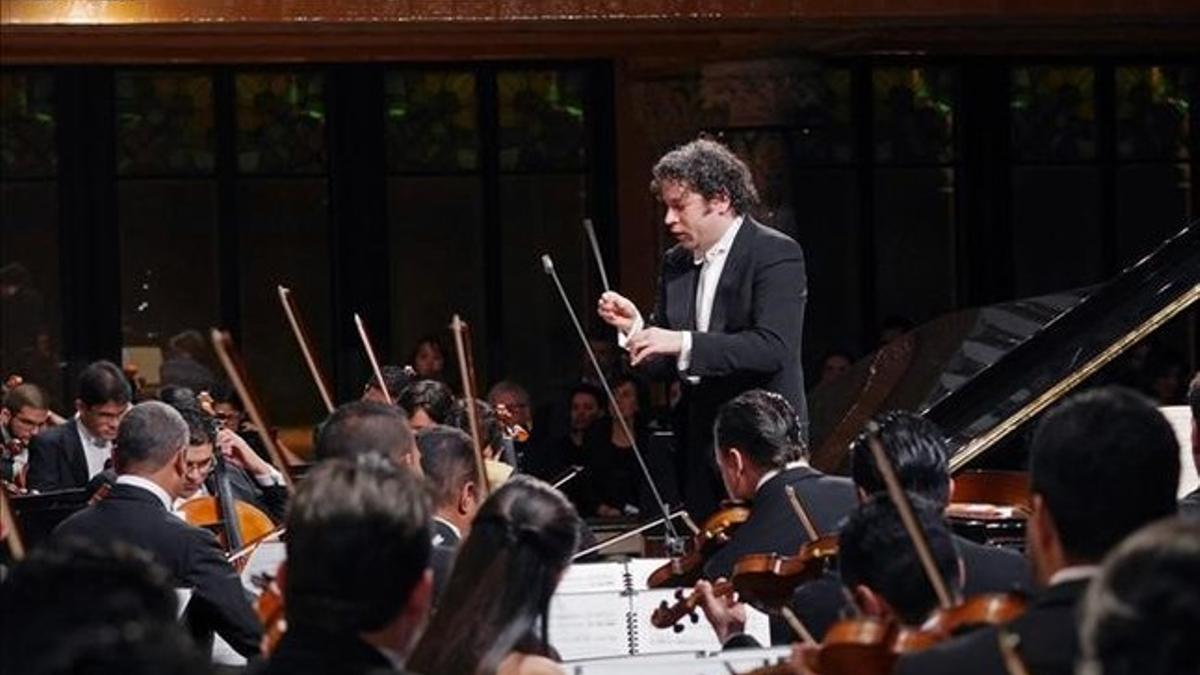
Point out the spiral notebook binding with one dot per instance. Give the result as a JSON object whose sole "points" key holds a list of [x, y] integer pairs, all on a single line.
{"points": [[631, 632]]}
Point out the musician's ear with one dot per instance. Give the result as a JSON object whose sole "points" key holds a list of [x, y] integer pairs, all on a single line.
{"points": [[468, 499]]}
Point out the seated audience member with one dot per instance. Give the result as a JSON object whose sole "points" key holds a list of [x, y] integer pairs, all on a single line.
{"points": [[359, 587], [251, 479], [365, 428], [507, 569], [150, 462], [426, 402], [1102, 464], [613, 470], [23, 415], [70, 455], [878, 564], [834, 366], [552, 461], [1139, 616], [759, 451], [395, 377], [1189, 506], [448, 460], [428, 359], [102, 607]]}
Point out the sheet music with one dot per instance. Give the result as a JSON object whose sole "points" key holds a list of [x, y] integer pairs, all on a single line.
{"points": [[739, 660], [264, 560], [694, 637], [640, 569], [1180, 418], [592, 578], [589, 625]]}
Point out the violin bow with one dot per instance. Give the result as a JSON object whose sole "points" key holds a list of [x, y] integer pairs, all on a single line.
{"points": [[235, 369], [904, 508], [366, 344], [306, 349], [672, 533], [797, 625], [591, 234], [801, 513], [8, 524], [466, 369]]}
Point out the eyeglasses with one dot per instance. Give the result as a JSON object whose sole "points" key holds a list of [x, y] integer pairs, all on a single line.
{"points": [[202, 467]]}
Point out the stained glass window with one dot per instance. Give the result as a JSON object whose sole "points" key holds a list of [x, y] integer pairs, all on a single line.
{"points": [[914, 114], [432, 121], [1054, 113], [823, 131], [542, 120], [280, 122], [164, 123], [27, 125], [1154, 104]]}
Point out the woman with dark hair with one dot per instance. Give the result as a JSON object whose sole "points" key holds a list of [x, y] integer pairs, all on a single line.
{"points": [[520, 543], [615, 472], [428, 359]]}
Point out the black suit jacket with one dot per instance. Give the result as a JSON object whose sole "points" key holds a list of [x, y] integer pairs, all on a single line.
{"points": [[444, 535], [190, 554], [989, 569], [1189, 506], [310, 651], [773, 526], [271, 500], [1049, 641], [56, 459]]}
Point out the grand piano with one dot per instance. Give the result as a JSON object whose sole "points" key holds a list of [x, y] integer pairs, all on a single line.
{"points": [[985, 375]]}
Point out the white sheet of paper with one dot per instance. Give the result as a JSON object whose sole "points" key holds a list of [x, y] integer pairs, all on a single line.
{"points": [[264, 560], [593, 578], [740, 660], [640, 569], [1180, 417], [589, 625]]}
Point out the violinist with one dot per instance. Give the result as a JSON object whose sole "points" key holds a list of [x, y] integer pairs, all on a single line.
{"points": [[496, 448], [24, 413], [397, 378], [368, 428], [1102, 464], [71, 454], [759, 451], [358, 588], [448, 461], [878, 566], [150, 463], [426, 402], [251, 479]]}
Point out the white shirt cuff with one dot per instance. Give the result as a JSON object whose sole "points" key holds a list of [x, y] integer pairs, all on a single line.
{"points": [[270, 479], [685, 352], [623, 337]]}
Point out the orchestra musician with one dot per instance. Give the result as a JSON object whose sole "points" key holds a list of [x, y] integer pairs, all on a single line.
{"points": [[426, 402], [150, 462], [729, 309], [23, 414], [448, 461], [368, 427], [507, 569], [1102, 464], [397, 378], [71, 454], [760, 451], [358, 587]]}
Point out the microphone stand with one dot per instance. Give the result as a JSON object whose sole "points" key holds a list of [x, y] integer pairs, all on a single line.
{"points": [[674, 542]]}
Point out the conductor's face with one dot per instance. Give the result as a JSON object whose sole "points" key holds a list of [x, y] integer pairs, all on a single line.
{"points": [[696, 223]]}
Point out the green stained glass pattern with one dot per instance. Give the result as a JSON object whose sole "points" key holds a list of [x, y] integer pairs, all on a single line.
{"points": [[432, 121], [280, 122], [164, 123], [1154, 107], [823, 132], [914, 114], [1054, 113], [27, 125], [542, 120]]}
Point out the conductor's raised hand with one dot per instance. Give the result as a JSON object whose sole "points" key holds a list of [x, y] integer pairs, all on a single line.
{"points": [[617, 311]]}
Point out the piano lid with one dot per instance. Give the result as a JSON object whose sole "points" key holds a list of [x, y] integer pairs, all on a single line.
{"points": [[983, 374]]}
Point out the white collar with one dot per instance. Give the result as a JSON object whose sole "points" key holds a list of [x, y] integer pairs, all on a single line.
{"points": [[722, 246], [88, 437], [455, 530], [775, 472], [148, 485], [1074, 573]]}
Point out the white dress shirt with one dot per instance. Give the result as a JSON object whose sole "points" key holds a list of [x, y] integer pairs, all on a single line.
{"points": [[712, 264], [96, 450]]}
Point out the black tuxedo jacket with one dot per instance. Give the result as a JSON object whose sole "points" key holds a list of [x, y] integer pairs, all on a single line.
{"points": [[271, 500], [773, 526], [444, 535], [1049, 641], [190, 554], [310, 651], [56, 459]]}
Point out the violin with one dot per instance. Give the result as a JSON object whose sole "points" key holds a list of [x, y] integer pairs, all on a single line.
{"points": [[769, 579], [685, 570], [986, 609], [512, 430], [867, 646]]}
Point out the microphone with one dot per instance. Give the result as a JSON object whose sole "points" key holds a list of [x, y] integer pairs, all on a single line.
{"points": [[675, 543]]}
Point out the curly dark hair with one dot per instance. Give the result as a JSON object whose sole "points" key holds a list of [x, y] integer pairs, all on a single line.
{"points": [[709, 168]]}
